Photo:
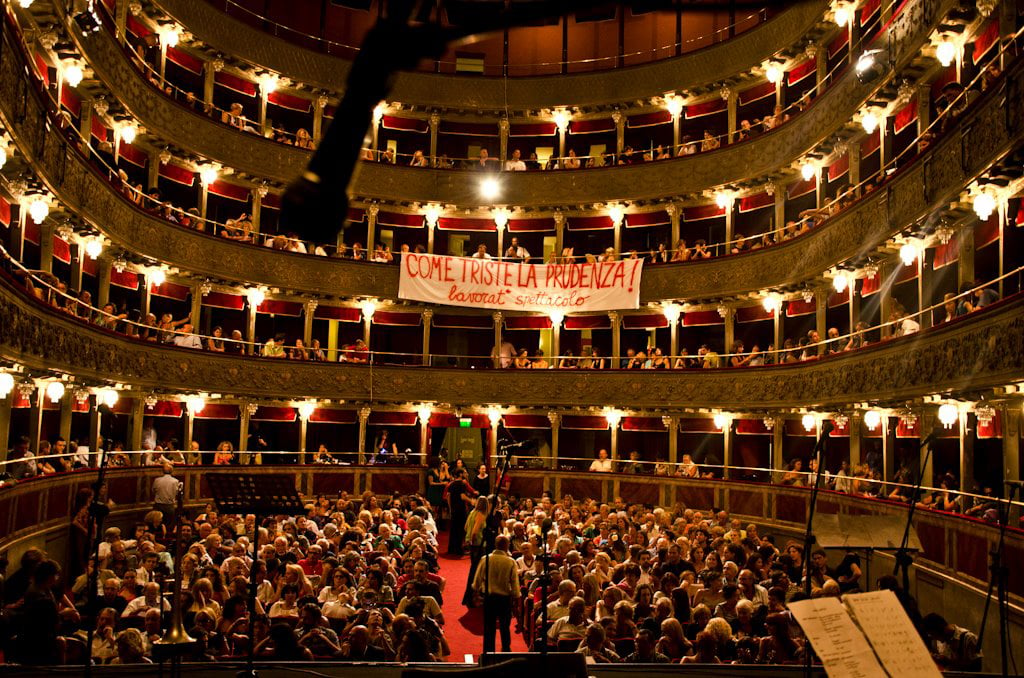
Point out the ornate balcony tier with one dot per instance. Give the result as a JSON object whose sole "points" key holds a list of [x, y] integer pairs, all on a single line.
{"points": [[473, 93], [987, 132], [688, 175], [932, 361]]}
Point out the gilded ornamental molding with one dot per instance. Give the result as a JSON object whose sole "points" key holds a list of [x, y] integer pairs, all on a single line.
{"points": [[717, 62], [992, 128], [981, 351], [767, 153]]}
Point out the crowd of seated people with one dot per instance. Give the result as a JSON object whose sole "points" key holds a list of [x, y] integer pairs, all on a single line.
{"points": [[357, 579]]}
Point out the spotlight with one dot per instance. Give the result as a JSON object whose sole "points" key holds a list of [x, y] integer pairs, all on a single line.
{"points": [[490, 189], [871, 65], [948, 414], [841, 16], [723, 199], [423, 412], [25, 4], [431, 213]]}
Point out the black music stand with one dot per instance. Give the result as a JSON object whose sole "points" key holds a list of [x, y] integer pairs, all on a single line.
{"points": [[261, 495]]}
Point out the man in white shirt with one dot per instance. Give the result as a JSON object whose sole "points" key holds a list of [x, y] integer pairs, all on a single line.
{"points": [[188, 338], [149, 600], [516, 251], [602, 464], [515, 163], [504, 354], [481, 252]]}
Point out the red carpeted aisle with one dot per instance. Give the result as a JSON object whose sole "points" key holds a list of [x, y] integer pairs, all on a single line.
{"points": [[464, 627]]}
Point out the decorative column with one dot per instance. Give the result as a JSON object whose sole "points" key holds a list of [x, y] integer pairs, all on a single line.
{"points": [[778, 436], [424, 440], [77, 252], [675, 213], [95, 419], [928, 420], [246, 410], [5, 423], [556, 337], [121, 21], [965, 260], [146, 296], [85, 127], [46, 246], [319, 104], [153, 170], [497, 317], [671, 422], [67, 408], [210, 70], [435, 127], [364, 416], [204, 196], [967, 439], [620, 131], [36, 396], [559, 218], [730, 222], [503, 132], [820, 54], [105, 266], [258, 194], [888, 448], [556, 425], [250, 329], [779, 193], [853, 155], [616, 319], [854, 45], [135, 427], [307, 321], [731, 97], [617, 219], [196, 314], [730, 326], [886, 270], [1011, 440], [673, 324], [856, 430], [777, 329], [367, 324], [727, 447], [613, 452], [371, 227], [428, 315], [821, 317], [492, 442]]}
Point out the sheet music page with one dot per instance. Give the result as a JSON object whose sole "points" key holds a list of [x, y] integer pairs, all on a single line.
{"points": [[892, 635], [836, 639]]}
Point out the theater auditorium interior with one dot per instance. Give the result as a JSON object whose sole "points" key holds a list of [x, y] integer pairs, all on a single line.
{"points": [[329, 334]]}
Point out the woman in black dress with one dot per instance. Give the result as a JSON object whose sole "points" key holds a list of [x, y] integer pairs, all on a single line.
{"points": [[482, 481], [459, 494]]}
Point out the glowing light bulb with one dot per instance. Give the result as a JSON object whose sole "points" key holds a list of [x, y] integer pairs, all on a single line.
{"points": [[268, 83], [195, 404], [984, 205], [432, 213], [423, 412], [872, 419], [773, 73], [306, 409], [869, 121], [3, 157], [672, 312], [720, 420], [25, 4], [157, 276], [255, 295], [6, 384], [55, 391], [94, 248], [865, 61], [128, 132], [945, 52], [368, 308], [841, 15], [557, 316], [378, 112], [107, 396], [674, 105], [613, 417], [948, 414], [38, 209], [490, 188], [561, 117], [807, 170], [808, 421], [840, 282], [169, 36], [208, 175], [616, 214], [493, 415], [501, 217], [908, 253], [770, 303], [73, 75], [723, 199]]}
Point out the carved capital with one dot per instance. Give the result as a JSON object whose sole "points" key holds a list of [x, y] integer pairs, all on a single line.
{"points": [[811, 50], [555, 418], [435, 121], [100, 105], [427, 314], [372, 211], [311, 306], [364, 415], [497, 317], [504, 126], [618, 118], [216, 64], [725, 92], [615, 317], [673, 210], [559, 218], [670, 423], [250, 408]]}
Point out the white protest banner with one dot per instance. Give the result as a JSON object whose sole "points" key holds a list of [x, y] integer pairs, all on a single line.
{"points": [[504, 285]]}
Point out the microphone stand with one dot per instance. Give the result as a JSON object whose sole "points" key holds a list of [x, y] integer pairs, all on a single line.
{"points": [[98, 511], [998, 573], [903, 558], [819, 449]]}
